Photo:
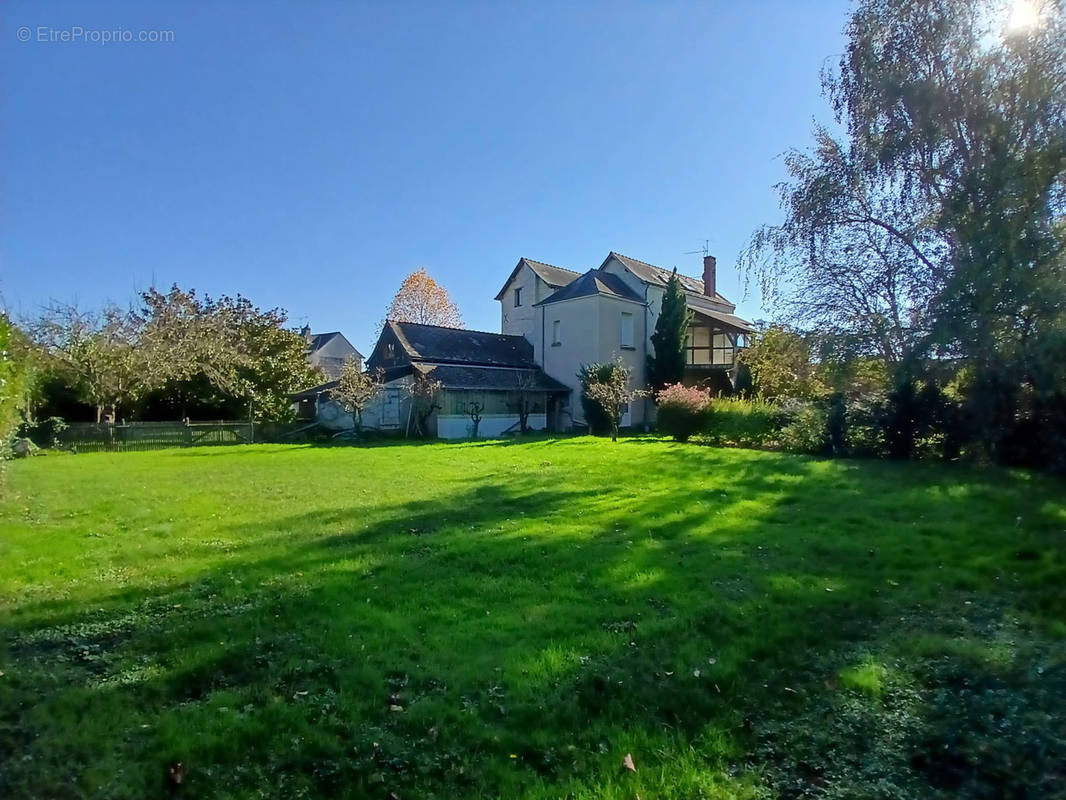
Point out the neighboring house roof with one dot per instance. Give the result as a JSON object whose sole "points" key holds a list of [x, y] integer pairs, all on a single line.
{"points": [[555, 277], [591, 283], [660, 277], [314, 391], [457, 345], [459, 376], [320, 340], [317, 348]]}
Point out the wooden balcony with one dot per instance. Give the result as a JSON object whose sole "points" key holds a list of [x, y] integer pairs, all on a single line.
{"points": [[711, 348]]}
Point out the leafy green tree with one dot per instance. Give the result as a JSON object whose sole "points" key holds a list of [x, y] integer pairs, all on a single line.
{"points": [[934, 225], [271, 362], [666, 365], [849, 261], [183, 336], [177, 351], [97, 354], [224, 357], [782, 365], [14, 377]]}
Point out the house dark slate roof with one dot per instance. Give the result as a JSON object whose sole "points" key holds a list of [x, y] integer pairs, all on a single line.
{"points": [[658, 275], [555, 277], [458, 376], [329, 351], [594, 282], [319, 340], [459, 346]]}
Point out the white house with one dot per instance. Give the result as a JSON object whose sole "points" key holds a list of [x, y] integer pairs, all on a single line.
{"points": [[573, 318], [329, 351], [553, 321]]}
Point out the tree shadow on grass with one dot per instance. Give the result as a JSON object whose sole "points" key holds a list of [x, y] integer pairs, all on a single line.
{"points": [[516, 633]]}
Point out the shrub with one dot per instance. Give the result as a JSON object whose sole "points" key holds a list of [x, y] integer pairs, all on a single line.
{"points": [[14, 380], [599, 421], [609, 389], [807, 430], [43, 433], [864, 417], [744, 423], [683, 410]]}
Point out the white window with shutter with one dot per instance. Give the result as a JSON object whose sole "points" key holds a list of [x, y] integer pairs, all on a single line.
{"points": [[627, 330]]}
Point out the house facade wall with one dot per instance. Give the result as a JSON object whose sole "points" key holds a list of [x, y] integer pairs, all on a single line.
{"points": [[579, 343], [652, 294], [634, 357], [616, 267], [453, 426], [591, 331], [524, 320], [390, 409], [332, 355]]}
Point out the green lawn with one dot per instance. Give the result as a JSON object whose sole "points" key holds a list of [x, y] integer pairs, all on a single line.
{"points": [[510, 620]]}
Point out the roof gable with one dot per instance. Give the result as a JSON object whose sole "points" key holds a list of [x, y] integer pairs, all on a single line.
{"points": [[554, 277], [320, 340], [594, 282]]}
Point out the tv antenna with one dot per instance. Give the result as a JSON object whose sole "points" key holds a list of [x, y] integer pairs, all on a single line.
{"points": [[706, 251]]}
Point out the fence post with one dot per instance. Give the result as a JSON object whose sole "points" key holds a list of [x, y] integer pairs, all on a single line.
{"points": [[187, 437]]}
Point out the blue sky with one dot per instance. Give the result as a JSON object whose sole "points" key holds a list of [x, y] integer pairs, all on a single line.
{"points": [[310, 155]]}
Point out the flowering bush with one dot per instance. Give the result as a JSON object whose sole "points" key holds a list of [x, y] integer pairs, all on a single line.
{"points": [[683, 410]]}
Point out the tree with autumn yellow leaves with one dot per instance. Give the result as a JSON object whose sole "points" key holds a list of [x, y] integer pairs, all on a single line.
{"points": [[421, 299]]}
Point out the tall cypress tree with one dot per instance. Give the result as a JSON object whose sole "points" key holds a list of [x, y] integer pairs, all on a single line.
{"points": [[667, 363]]}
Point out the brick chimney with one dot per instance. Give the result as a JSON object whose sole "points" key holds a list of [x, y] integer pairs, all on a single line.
{"points": [[709, 276]]}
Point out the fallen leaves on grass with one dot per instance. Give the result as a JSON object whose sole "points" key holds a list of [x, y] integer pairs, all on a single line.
{"points": [[627, 762]]}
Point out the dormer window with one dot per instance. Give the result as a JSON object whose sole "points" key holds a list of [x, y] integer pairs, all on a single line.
{"points": [[518, 297]]}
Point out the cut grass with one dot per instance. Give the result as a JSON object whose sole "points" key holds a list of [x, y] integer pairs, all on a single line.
{"points": [[490, 619]]}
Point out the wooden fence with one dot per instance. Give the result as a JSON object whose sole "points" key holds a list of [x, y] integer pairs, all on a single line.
{"points": [[90, 437]]}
